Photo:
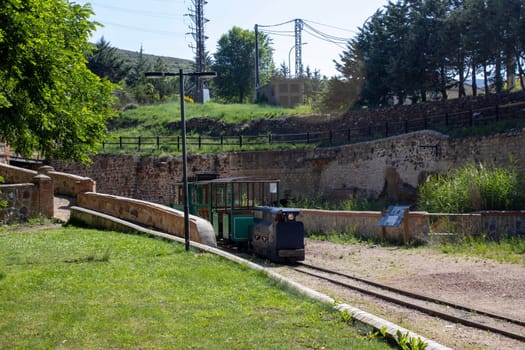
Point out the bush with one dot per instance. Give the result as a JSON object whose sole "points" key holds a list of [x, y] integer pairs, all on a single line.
{"points": [[472, 188]]}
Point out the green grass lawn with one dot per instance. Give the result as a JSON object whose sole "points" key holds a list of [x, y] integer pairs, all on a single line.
{"points": [[72, 288]]}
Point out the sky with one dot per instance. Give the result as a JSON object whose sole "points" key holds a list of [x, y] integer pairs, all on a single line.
{"points": [[161, 26]]}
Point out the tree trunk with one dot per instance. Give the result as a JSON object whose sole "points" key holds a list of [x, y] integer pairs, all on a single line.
{"points": [[486, 79], [498, 81], [474, 82], [511, 72], [461, 86], [444, 95], [520, 71]]}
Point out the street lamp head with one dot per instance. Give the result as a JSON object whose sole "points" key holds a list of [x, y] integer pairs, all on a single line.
{"points": [[155, 75], [202, 74]]}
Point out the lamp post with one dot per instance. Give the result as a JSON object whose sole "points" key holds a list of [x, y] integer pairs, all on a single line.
{"points": [[181, 75], [290, 61]]}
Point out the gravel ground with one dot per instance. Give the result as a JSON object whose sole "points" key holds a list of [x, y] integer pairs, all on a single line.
{"points": [[479, 283]]}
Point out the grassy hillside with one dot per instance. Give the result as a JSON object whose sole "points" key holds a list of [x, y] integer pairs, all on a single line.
{"points": [[153, 120], [172, 64]]}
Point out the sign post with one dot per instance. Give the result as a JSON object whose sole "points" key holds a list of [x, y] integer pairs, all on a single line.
{"points": [[393, 217]]}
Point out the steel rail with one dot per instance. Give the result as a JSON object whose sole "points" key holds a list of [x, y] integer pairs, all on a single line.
{"points": [[429, 311]]}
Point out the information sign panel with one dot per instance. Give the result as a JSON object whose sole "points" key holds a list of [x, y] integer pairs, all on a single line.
{"points": [[393, 216]]}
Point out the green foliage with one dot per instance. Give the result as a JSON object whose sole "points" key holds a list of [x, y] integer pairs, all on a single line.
{"points": [[419, 49], [49, 100], [155, 119], [72, 288], [3, 202], [105, 62], [472, 188], [350, 204], [339, 95], [234, 63], [406, 342], [506, 250]]}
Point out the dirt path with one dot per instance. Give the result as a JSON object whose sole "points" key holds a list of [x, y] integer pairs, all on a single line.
{"points": [[482, 284]]}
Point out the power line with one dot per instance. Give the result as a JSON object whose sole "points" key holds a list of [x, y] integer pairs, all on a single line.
{"points": [[138, 12], [307, 27], [141, 29]]}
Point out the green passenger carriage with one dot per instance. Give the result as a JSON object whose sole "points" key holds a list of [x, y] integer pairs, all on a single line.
{"points": [[239, 206]]}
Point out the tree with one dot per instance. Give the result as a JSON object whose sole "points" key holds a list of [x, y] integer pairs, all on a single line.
{"points": [[50, 101], [235, 64], [106, 63]]}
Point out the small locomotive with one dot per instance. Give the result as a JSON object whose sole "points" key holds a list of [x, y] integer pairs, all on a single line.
{"points": [[243, 211], [277, 235]]}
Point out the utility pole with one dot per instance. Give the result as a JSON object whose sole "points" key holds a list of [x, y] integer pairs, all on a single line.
{"points": [[298, 48], [197, 30], [256, 60]]}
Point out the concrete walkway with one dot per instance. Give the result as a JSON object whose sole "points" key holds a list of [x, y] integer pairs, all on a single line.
{"points": [[62, 205]]}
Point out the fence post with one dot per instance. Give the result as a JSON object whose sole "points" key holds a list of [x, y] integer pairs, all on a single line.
{"points": [[369, 130], [120, 141], [348, 135], [406, 126], [158, 142], [178, 143], [200, 141], [386, 129], [471, 117], [270, 138], [240, 141], [308, 137], [222, 141], [331, 136], [139, 142], [446, 119]]}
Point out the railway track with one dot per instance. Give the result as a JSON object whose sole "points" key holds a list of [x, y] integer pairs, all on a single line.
{"points": [[467, 316]]}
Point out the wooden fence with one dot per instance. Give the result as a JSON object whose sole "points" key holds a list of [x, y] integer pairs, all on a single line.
{"points": [[448, 121]]}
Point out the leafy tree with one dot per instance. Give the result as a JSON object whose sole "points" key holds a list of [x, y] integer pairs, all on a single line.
{"points": [[411, 48], [235, 65], [49, 100], [142, 89]]}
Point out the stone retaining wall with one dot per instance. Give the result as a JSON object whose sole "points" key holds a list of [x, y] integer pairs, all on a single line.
{"points": [[366, 224], [390, 168], [417, 226]]}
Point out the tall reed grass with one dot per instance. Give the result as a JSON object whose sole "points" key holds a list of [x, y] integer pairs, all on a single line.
{"points": [[473, 188]]}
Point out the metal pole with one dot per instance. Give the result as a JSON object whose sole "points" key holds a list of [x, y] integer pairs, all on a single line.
{"points": [[290, 62], [181, 75], [184, 164]]}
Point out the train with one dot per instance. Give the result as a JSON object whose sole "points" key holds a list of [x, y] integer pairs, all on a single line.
{"points": [[245, 211]]}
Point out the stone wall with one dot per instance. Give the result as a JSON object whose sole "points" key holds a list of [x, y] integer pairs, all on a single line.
{"points": [[148, 214], [415, 226], [27, 200], [389, 168]]}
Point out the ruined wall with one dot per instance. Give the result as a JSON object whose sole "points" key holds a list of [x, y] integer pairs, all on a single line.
{"points": [[390, 167]]}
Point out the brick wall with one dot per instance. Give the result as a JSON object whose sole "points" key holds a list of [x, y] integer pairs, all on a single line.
{"points": [[391, 167]]}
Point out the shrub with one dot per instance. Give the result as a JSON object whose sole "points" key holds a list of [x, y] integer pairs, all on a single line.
{"points": [[472, 188]]}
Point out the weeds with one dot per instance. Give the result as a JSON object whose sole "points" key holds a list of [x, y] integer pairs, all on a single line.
{"points": [[507, 250], [406, 342], [473, 188], [351, 204]]}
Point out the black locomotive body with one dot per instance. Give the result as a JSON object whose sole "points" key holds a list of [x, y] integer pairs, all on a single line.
{"points": [[277, 235]]}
